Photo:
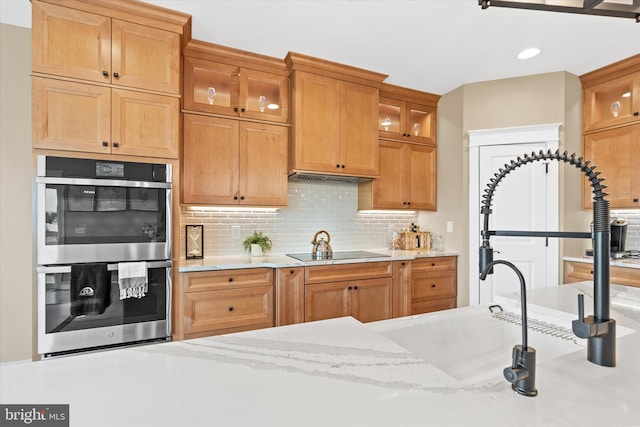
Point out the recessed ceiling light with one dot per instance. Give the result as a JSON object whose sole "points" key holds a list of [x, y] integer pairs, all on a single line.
{"points": [[529, 53]]}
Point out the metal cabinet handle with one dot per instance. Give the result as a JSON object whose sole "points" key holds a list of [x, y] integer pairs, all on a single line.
{"points": [[433, 285], [230, 279], [116, 145], [235, 109], [105, 144], [105, 73], [636, 113], [230, 308], [116, 75]]}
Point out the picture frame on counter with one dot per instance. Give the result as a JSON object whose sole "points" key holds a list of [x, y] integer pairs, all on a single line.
{"points": [[194, 235]]}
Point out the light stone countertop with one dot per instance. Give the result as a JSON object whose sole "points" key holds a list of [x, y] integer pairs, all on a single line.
{"points": [[437, 369], [281, 260], [623, 262]]}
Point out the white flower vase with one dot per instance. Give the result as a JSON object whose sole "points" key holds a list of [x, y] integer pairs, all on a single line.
{"points": [[256, 250]]}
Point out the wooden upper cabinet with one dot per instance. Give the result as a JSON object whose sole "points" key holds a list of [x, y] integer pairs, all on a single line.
{"points": [[231, 162], [144, 124], [334, 115], [611, 95], [407, 115], [89, 46], [407, 178], [611, 130], [334, 126], [614, 152], [103, 120], [230, 82]]}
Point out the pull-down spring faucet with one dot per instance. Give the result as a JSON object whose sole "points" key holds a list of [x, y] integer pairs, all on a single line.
{"points": [[599, 329]]}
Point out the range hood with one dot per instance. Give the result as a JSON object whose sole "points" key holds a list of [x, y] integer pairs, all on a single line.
{"points": [[318, 177]]}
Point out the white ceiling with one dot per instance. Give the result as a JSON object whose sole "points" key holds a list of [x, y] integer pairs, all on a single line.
{"points": [[430, 45]]}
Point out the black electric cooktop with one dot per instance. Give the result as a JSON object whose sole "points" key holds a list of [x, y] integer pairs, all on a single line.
{"points": [[337, 255]]}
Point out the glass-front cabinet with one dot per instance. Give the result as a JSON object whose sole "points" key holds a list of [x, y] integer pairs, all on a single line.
{"points": [[612, 103], [407, 115], [235, 90]]}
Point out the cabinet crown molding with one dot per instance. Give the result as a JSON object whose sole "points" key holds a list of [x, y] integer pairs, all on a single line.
{"points": [[241, 58], [134, 11], [299, 62], [411, 95], [612, 71]]}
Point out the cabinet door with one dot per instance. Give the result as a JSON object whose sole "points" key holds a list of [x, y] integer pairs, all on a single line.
{"points": [[210, 160], [401, 288], [421, 124], [224, 309], [289, 296], [316, 130], [371, 299], [263, 164], [389, 190], [421, 167], [326, 301], [358, 130], [71, 116], [264, 96], [612, 103], [145, 57], [145, 124], [391, 119], [615, 152], [72, 43], [210, 87]]}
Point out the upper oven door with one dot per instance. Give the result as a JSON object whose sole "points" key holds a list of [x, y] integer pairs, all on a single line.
{"points": [[98, 220]]}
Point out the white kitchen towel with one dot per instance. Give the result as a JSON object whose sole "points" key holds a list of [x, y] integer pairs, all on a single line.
{"points": [[132, 279]]}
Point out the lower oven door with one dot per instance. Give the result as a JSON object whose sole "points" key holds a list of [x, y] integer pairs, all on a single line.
{"points": [[123, 321]]}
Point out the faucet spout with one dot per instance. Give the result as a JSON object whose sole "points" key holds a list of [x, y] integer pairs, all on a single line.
{"points": [[522, 372]]}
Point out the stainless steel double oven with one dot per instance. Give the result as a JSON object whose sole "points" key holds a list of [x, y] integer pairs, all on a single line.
{"points": [[107, 214]]}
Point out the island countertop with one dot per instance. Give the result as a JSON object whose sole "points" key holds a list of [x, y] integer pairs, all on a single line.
{"points": [[440, 369]]}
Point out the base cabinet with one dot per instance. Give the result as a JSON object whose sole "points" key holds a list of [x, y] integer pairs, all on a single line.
{"points": [[289, 296], [362, 290], [583, 271], [227, 301], [433, 284]]}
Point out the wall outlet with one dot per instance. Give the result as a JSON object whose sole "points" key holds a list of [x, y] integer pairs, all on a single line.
{"points": [[449, 226], [235, 231]]}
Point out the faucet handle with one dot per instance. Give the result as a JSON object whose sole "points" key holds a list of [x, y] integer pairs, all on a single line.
{"points": [[584, 327]]}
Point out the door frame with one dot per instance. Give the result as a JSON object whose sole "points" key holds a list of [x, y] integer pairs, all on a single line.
{"points": [[549, 134]]}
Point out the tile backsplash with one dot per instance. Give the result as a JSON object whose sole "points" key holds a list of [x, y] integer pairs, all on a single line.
{"points": [[312, 206], [633, 226]]}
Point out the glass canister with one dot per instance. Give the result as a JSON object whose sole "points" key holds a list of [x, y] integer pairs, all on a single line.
{"points": [[437, 243]]}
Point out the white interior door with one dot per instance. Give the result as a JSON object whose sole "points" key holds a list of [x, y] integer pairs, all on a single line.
{"points": [[519, 203], [525, 200]]}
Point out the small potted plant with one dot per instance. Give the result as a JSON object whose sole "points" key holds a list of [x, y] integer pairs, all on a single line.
{"points": [[257, 244]]}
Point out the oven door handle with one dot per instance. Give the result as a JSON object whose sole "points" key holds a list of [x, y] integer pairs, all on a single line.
{"points": [[102, 182], [110, 267]]}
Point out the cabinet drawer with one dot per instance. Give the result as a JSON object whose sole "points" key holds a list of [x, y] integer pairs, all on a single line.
{"points": [[216, 280], [345, 272], [231, 308], [579, 272], [433, 305], [432, 285], [433, 264]]}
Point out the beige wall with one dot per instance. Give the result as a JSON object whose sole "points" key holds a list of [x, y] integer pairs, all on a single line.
{"points": [[15, 194], [532, 100]]}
